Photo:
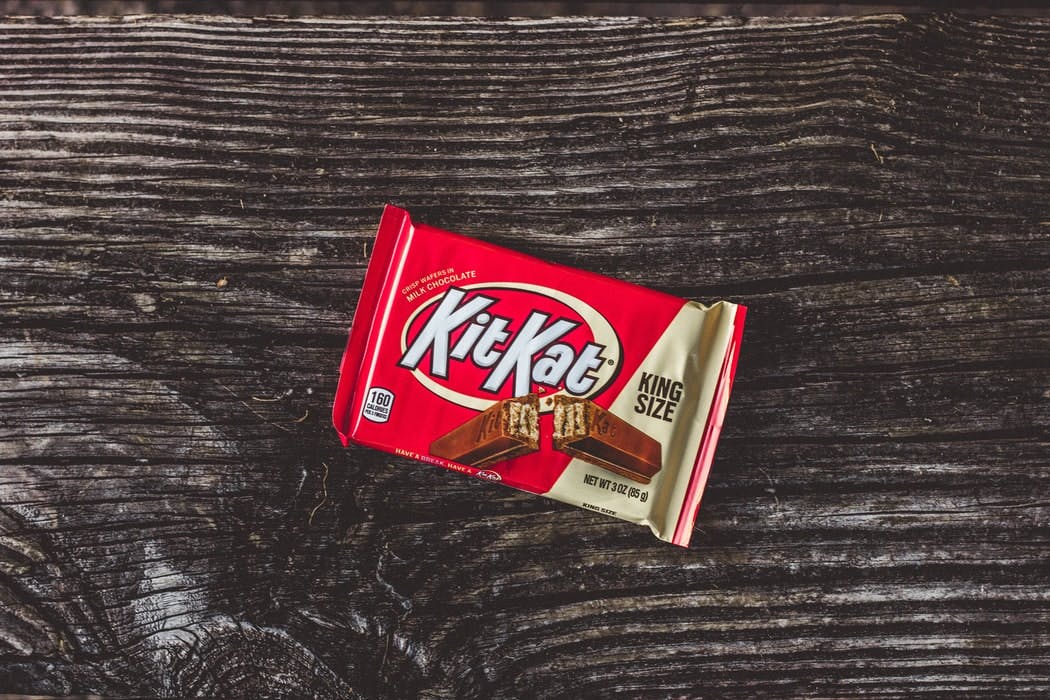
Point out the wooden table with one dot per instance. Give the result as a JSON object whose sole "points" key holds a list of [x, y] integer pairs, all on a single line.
{"points": [[186, 208]]}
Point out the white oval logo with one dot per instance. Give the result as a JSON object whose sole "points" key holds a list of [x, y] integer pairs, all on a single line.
{"points": [[479, 343]]}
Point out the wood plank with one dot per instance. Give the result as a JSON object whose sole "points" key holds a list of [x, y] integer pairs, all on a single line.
{"points": [[177, 517]]}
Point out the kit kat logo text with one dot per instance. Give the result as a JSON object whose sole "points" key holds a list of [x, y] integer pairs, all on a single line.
{"points": [[477, 344]]}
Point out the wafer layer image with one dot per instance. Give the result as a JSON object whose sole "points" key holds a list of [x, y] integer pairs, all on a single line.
{"points": [[589, 432], [507, 429]]}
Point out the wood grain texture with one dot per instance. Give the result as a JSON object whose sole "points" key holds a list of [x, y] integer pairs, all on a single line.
{"points": [[510, 8], [177, 517]]}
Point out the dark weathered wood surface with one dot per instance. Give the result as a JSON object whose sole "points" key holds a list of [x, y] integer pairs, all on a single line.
{"points": [[177, 517]]}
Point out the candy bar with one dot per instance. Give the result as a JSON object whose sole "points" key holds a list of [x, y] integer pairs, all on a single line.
{"points": [[507, 429], [552, 380], [588, 432]]}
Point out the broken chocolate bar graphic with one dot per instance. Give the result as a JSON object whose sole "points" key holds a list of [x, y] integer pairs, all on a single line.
{"points": [[507, 429], [589, 432]]}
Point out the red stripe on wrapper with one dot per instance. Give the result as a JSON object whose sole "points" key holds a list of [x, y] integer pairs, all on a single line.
{"points": [[391, 226], [705, 456]]}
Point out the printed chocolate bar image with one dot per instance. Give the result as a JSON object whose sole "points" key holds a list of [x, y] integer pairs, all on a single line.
{"points": [[589, 432], [506, 429]]}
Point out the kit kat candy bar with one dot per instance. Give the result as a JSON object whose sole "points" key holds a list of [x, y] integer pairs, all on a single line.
{"points": [[492, 363], [507, 429], [589, 432]]}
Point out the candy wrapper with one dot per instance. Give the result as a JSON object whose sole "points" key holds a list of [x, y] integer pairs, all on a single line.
{"points": [[556, 381]]}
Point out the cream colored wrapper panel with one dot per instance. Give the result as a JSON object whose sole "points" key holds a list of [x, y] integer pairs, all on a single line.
{"points": [[691, 351]]}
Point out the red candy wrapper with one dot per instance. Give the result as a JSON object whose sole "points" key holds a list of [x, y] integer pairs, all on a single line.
{"points": [[552, 380]]}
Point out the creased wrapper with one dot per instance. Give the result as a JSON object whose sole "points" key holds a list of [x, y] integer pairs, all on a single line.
{"points": [[549, 379]]}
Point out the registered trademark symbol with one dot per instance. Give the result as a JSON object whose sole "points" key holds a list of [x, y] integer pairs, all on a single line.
{"points": [[610, 362]]}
